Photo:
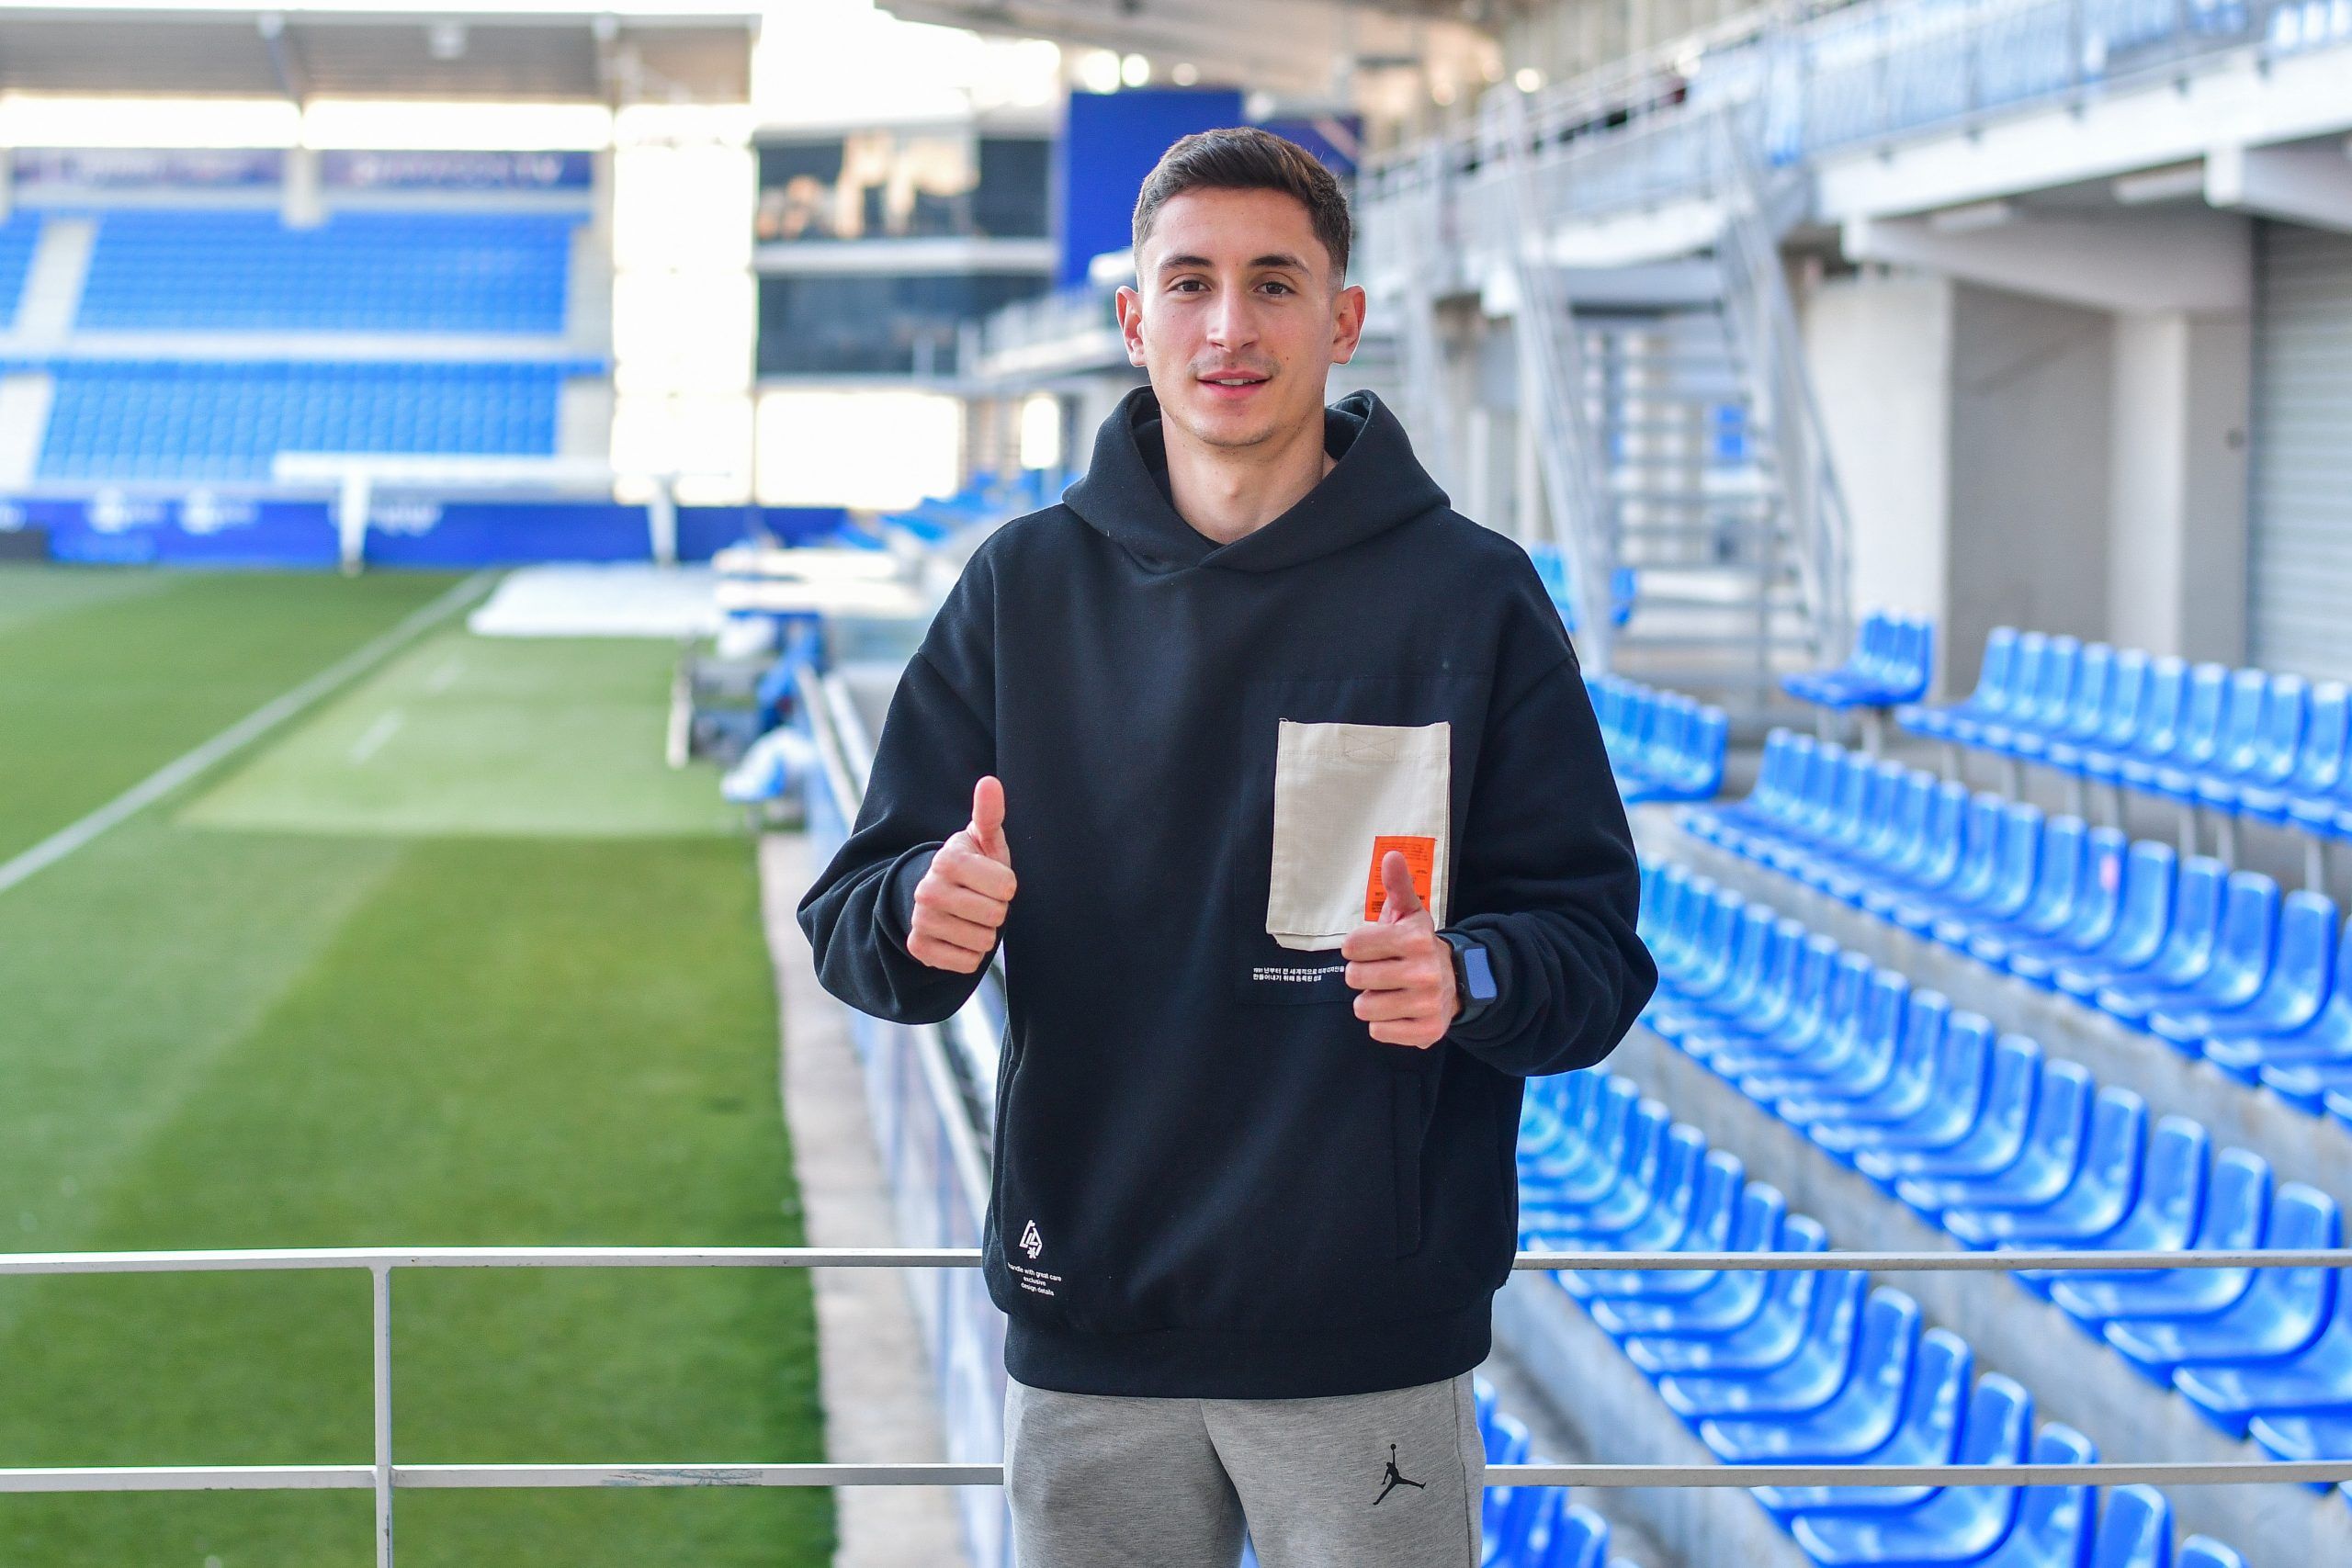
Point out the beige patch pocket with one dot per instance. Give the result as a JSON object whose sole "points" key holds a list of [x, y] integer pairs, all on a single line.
{"points": [[1340, 790]]}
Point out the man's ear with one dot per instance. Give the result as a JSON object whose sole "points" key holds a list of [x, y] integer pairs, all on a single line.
{"points": [[1129, 305], [1347, 323]]}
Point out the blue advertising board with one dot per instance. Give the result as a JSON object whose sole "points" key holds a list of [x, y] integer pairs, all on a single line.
{"points": [[1109, 144], [200, 530]]}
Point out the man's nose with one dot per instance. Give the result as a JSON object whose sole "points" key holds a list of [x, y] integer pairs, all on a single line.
{"points": [[1230, 321]]}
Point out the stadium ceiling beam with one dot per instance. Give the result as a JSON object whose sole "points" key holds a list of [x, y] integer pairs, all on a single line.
{"points": [[2193, 259], [2309, 185], [283, 60]]}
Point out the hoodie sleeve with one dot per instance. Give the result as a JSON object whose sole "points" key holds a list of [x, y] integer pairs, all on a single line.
{"points": [[937, 740], [1549, 885]]}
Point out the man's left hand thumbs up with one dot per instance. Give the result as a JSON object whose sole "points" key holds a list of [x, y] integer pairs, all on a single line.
{"points": [[1401, 967]]}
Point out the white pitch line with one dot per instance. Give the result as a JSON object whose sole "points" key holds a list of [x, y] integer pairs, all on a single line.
{"points": [[372, 741], [259, 722]]}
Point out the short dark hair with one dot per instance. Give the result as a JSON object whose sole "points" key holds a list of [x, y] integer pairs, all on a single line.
{"points": [[1243, 157]]}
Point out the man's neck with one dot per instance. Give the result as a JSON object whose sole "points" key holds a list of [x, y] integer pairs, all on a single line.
{"points": [[1225, 495]]}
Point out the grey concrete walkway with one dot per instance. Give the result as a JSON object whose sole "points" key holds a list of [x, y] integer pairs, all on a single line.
{"points": [[874, 1377]]}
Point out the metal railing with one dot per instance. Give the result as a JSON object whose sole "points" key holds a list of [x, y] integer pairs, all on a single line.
{"points": [[1553, 385], [385, 1477], [1859, 76]]}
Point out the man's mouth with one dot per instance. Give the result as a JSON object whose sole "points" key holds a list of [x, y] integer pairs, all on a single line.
{"points": [[1234, 383]]}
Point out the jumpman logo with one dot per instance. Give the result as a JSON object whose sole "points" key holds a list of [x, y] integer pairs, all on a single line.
{"points": [[1394, 1478]]}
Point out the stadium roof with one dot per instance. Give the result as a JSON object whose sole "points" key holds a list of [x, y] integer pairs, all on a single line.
{"points": [[1295, 45], [516, 50]]}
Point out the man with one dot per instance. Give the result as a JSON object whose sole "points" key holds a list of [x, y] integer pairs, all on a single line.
{"points": [[1277, 782]]}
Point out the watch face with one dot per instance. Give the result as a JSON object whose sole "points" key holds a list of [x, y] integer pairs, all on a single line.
{"points": [[1481, 975]]}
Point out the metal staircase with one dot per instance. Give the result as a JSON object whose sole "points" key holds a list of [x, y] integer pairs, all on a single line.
{"points": [[1673, 421]]}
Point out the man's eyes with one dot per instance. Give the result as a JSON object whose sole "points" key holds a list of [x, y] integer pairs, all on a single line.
{"points": [[1271, 283]]}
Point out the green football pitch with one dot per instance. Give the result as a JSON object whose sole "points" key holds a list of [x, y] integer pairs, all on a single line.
{"points": [[446, 958]]}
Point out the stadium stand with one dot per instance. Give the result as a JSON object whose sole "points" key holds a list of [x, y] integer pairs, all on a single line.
{"points": [[2216, 964], [359, 271], [1797, 1366], [1890, 664], [156, 419], [2244, 743], [2002, 1146], [1662, 745], [205, 340]]}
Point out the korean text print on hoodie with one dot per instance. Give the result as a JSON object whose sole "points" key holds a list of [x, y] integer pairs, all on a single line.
{"points": [[1210, 1180]]}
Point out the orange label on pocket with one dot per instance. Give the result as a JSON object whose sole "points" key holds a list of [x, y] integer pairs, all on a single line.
{"points": [[1420, 858]]}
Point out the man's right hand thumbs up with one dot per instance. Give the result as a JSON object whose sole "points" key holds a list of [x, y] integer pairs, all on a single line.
{"points": [[961, 900]]}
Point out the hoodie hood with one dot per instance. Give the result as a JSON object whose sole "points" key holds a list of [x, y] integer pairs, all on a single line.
{"points": [[1376, 484]]}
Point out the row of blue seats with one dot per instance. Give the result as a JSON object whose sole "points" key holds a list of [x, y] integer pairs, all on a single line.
{"points": [[2215, 963], [2003, 1148], [1890, 665], [19, 231], [358, 271], [218, 419], [1552, 567], [1531, 1527], [1662, 745], [2247, 743], [989, 497], [1806, 1366]]}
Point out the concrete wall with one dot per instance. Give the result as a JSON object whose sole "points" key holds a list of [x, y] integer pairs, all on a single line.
{"points": [[2031, 429], [1973, 430]]}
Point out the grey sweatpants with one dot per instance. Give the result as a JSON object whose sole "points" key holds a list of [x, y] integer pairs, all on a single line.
{"points": [[1387, 1480]]}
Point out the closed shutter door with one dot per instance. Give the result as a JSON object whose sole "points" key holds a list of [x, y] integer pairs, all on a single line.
{"points": [[2302, 567]]}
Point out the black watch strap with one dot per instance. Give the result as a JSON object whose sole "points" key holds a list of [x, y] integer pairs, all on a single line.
{"points": [[1474, 976]]}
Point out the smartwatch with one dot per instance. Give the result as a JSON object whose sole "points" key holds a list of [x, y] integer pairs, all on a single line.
{"points": [[1474, 976]]}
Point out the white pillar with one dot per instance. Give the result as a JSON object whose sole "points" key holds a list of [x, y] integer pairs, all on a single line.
{"points": [[302, 201], [2177, 579]]}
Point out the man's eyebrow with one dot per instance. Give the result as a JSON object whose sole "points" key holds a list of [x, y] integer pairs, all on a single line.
{"points": [[1277, 258]]}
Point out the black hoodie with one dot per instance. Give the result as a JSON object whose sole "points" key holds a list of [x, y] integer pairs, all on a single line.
{"points": [[1210, 1180]]}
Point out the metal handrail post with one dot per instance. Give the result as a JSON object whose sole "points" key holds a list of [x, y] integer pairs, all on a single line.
{"points": [[380, 1277]]}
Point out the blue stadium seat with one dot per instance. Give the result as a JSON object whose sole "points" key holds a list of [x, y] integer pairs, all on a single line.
{"points": [[2026, 1172], [1925, 1430], [1823, 1359], [2234, 1215], [2160, 1215], [2144, 919], [1952, 1524], [1997, 684], [2099, 1188], [2203, 891], [1890, 664], [1896, 1083], [1991, 1139], [2318, 768], [1578, 1538], [2278, 999], [2281, 1311], [2315, 1379], [2134, 1530], [1728, 1300], [1950, 1105], [1859, 1415]]}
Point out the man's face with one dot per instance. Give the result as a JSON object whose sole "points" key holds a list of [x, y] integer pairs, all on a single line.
{"points": [[1236, 318]]}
